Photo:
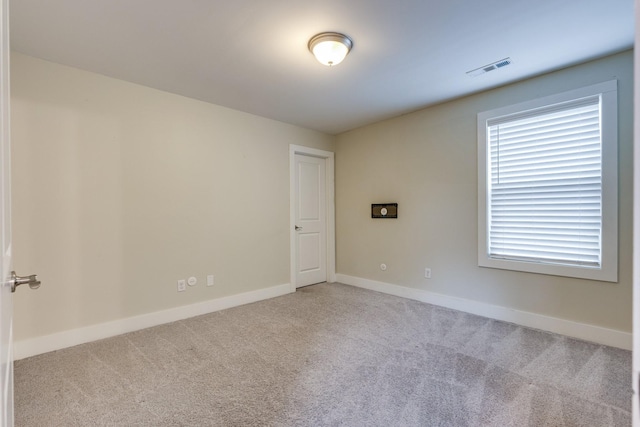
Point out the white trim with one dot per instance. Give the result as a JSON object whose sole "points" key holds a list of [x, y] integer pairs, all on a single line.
{"points": [[70, 338], [635, 376], [330, 206], [570, 328]]}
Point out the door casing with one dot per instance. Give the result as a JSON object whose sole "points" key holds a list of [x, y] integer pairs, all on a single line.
{"points": [[6, 298], [636, 232]]}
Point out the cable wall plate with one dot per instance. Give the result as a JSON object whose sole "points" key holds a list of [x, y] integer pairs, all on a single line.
{"points": [[384, 210]]}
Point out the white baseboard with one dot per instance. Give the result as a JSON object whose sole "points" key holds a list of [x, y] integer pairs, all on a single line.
{"points": [[70, 338], [583, 331]]}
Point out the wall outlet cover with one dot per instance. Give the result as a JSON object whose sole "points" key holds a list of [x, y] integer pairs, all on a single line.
{"points": [[384, 210]]}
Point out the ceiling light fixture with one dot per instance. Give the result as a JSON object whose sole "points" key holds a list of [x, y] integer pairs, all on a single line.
{"points": [[330, 48]]}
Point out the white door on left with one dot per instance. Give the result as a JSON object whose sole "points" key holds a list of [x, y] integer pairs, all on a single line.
{"points": [[8, 279]]}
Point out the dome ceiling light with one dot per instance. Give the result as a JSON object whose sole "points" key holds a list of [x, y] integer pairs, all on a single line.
{"points": [[330, 48]]}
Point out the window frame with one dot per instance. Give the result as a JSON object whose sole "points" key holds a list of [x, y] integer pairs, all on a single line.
{"points": [[608, 270]]}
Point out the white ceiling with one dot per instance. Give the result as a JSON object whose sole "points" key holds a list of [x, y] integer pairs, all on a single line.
{"points": [[251, 55]]}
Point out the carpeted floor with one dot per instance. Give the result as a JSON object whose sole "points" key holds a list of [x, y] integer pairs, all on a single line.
{"points": [[329, 355]]}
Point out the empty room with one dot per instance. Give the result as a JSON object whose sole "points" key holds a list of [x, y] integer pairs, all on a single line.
{"points": [[364, 213]]}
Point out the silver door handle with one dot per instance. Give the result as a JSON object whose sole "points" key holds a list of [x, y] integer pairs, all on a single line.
{"points": [[16, 281], [298, 228]]}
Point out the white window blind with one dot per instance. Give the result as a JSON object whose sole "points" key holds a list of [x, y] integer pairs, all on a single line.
{"points": [[545, 185]]}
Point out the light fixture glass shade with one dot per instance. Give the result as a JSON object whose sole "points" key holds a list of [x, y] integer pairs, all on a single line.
{"points": [[330, 48]]}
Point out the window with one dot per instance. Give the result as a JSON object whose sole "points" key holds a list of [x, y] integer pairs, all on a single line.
{"points": [[548, 185]]}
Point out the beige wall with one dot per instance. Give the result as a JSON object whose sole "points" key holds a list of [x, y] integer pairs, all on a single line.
{"points": [[119, 190], [426, 162]]}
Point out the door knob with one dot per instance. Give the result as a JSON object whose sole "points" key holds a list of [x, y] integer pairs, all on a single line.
{"points": [[16, 281], [298, 228]]}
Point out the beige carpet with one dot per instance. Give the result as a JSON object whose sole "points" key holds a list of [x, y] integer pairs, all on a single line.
{"points": [[329, 355]]}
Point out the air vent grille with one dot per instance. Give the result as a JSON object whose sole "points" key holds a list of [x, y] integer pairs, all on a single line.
{"points": [[489, 67]]}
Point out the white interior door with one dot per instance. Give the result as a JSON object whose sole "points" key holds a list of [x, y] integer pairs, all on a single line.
{"points": [[310, 220], [6, 315]]}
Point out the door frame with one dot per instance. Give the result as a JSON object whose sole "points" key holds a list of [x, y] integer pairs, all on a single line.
{"points": [[328, 156], [635, 414], [6, 306]]}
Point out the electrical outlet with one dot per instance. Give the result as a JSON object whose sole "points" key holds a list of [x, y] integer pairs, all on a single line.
{"points": [[210, 281], [427, 273], [383, 267], [182, 285], [191, 281]]}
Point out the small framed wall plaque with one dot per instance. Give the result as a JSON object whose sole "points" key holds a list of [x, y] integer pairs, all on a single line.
{"points": [[384, 210]]}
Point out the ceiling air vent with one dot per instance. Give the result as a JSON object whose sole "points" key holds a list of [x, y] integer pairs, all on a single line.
{"points": [[489, 67]]}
